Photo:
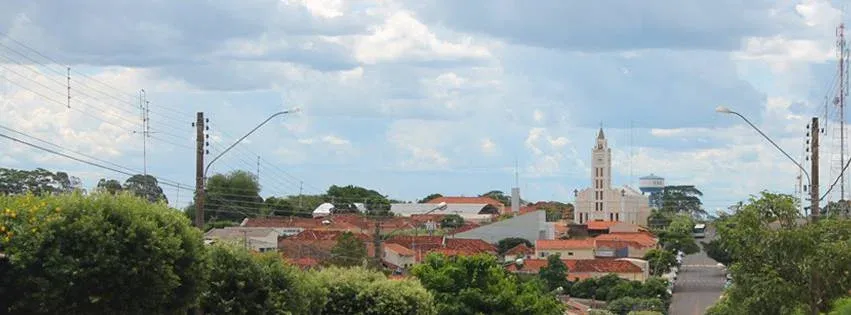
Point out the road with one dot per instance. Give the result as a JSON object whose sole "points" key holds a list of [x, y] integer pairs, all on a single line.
{"points": [[698, 284]]}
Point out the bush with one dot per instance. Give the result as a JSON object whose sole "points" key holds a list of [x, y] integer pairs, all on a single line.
{"points": [[102, 254], [360, 291]]}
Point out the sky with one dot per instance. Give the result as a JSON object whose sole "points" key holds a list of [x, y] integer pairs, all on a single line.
{"points": [[413, 97]]}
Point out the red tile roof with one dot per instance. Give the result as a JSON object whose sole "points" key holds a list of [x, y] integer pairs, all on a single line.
{"points": [[601, 225], [520, 250], [565, 244], [398, 249], [618, 244], [306, 223], [644, 239], [581, 266], [464, 228], [320, 235], [468, 200], [429, 243]]}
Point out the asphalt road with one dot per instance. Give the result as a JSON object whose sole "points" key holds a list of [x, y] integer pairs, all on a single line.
{"points": [[699, 284]]}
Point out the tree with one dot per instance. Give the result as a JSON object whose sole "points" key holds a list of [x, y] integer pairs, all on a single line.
{"points": [[554, 274], [146, 187], [626, 304], [360, 291], [480, 285], [451, 221], [238, 284], [715, 250], [230, 197], [840, 208], [779, 266], [429, 198], [100, 254], [682, 199], [282, 207], [498, 195], [556, 210], [510, 242], [660, 261], [678, 235], [37, 182], [345, 196], [109, 186], [348, 252]]}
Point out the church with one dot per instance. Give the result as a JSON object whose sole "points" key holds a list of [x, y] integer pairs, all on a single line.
{"points": [[601, 201]]}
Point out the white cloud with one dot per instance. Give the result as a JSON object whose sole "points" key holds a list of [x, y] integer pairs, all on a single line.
{"points": [[488, 146]]}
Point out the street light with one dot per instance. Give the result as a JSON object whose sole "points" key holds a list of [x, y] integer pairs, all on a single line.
{"points": [[199, 201], [813, 187]]}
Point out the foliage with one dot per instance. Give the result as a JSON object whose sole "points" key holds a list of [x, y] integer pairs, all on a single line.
{"points": [[625, 305], [498, 195], [610, 287], [146, 187], [345, 196], [277, 206], [660, 261], [109, 186], [841, 306], [556, 210], [510, 242], [645, 313], [71, 254], [678, 235], [837, 209], [780, 266], [451, 221], [554, 274], [360, 291], [480, 285], [245, 283], [348, 252], [230, 197], [715, 250], [37, 182], [682, 199], [429, 198], [600, 312]]}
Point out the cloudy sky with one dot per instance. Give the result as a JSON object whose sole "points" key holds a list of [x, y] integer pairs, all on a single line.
{"points": [[423, 96]]}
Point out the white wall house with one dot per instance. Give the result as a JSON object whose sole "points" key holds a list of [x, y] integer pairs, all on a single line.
{"points": [[601, 201]]}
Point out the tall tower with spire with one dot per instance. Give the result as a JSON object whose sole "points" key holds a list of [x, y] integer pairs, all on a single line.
{"points": [[601, 165]]}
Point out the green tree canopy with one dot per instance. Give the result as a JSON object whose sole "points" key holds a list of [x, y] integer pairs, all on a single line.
{"points": [[230, 197], [109, 186], [146, 187], [682, 199], [554, 274], [344, 197], [452, 221], [348, 252], [97, 255], [429, 198], [480, 285], [660, 261], [498, 195], [38, 181], [780, 266]]}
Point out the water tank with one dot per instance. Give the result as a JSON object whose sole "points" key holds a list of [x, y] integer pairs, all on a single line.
{"points": [[651, 184]]}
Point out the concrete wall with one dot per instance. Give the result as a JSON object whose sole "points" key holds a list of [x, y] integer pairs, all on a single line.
{"points": [[569, 254]]}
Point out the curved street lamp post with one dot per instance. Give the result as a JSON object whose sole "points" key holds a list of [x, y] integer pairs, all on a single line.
{"points": [[201, 191], [814, 198]]}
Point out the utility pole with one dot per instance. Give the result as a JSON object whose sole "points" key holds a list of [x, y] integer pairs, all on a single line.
{"points": [[300, 187], [199, 171], [814, 189], [258, 168], [377, 241], [841, 102], [68, 78]]}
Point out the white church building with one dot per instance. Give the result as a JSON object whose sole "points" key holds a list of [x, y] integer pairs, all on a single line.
{"points": [[601, 201]]}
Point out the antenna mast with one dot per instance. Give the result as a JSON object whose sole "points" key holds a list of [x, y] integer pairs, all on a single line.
{"points": [[145, 108]]}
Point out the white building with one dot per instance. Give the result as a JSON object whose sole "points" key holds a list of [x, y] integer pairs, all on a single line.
{"points": [[601, 201]]}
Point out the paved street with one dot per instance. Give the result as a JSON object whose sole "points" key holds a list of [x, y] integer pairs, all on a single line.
{"points": [[698, 284]]}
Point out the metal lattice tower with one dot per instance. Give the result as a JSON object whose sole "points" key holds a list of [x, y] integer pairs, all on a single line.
{"points": [[839, 147]]}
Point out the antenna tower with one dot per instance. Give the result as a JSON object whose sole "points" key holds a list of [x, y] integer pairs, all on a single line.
{"points": [[144, 107], [839, 102]]}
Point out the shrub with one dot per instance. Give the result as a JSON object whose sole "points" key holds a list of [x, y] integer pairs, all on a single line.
{"points": [[102, 254], [360, 291]]}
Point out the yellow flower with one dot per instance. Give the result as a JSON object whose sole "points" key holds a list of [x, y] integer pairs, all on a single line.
{"points": [[2, 228], [58, 209]]}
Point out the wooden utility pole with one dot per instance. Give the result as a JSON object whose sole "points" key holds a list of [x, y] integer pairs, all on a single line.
{"points": [[814, 189], [377, 241], [199, 171]]}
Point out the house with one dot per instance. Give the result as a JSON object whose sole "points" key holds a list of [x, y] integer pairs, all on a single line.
{"points": [[479, 212], [608, 227], [258, 239], [288, 226], [317, 244], [629, 269], [397, 256], [531, 226], [572, 249], [613, 249], [637, 243], [521, 251], [423, 245]]}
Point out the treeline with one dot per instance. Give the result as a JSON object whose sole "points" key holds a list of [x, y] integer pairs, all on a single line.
{"points": [[103, 254]]}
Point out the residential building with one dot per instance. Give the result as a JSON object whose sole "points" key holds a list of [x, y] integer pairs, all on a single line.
{"points": [[602, 202], [500, 207], [638, 244], [398, 256], [571, 249], [258, 239], [629, 269], [521, 251], [531, 226], [423, 245]]}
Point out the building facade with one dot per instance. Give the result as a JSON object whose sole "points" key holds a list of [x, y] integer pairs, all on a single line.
{"points": [[601, 201]]}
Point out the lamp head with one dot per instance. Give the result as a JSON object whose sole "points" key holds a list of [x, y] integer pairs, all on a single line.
{"points": [[441, 206], [723, 109]]}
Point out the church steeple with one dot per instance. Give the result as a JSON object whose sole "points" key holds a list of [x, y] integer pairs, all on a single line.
{"points": [[600, 135]]}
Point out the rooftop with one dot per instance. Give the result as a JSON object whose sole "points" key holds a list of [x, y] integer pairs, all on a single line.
{"points": [[581, 266], [644, 239], [519, 250], [467, 200], [565, 244]]}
